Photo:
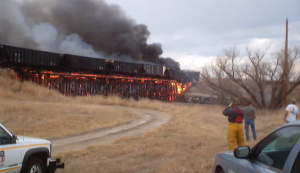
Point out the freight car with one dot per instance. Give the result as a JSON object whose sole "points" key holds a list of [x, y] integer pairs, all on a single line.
{"points": [[40, 60], [20, 57], [79, 75]]}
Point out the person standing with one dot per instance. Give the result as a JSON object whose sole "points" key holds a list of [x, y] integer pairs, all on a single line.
{"points": [[235, 132], [249, 117], [291, 112]]}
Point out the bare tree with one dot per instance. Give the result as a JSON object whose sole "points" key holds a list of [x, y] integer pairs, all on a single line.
{"points": [[252, 77]]}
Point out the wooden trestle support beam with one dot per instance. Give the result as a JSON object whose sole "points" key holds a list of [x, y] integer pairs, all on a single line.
{"points": [[72, 84]]}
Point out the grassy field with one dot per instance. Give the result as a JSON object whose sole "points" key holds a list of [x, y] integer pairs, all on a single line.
{"points": [[28, 109], [186, 144]]}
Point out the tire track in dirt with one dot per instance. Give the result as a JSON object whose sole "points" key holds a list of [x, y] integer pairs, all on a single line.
{"points": [[148, 119]]}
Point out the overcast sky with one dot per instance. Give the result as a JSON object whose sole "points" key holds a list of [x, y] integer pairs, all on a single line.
{"points": [[193, 32]]}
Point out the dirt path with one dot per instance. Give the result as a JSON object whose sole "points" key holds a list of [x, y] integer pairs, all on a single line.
{"points": [[149, 119]]}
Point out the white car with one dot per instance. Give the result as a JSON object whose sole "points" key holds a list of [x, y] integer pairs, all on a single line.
{"points": [[25, 154], [279, 152]]}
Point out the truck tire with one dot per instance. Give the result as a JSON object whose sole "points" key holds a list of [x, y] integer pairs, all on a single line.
{"points": [[35, 165]]}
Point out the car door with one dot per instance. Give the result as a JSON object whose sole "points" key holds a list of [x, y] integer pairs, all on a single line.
{"points": [[10, 153], [270, 154], [296, 164]]}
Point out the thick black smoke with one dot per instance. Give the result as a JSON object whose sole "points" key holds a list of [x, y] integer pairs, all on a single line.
{"points": [[82, 27]]}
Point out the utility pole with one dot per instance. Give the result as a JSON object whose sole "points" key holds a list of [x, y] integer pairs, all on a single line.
{"points": [[285, 66]]}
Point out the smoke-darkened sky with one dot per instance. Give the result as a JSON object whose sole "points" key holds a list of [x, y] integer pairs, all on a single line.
{"points": [[89, 28], [192, 32]]}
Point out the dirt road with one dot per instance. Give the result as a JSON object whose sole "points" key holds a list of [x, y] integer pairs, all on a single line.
{"points": [[148, 119]]}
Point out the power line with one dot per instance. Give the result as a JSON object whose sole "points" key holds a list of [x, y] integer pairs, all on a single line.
{"points": [[277, 21], [278, 8]]}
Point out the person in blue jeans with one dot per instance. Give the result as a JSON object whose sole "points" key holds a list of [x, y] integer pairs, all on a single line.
{"points": [[249, 117]]}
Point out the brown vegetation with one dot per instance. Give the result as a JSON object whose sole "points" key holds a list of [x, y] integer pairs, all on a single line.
{"points": [[253, 77], [186, 144], [28, 109]]}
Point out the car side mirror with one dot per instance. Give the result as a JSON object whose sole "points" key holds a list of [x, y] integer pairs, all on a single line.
{"points": [[14, 138], [242, 152]]}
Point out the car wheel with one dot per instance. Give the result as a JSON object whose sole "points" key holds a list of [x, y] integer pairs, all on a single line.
{"points": [[35, 165], [221, 171]]}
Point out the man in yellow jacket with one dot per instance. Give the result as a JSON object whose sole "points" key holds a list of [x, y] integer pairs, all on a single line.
{"points": [[235, 133]]}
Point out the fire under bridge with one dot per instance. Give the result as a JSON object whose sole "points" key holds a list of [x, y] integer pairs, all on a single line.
{"points": [[78, 84]]}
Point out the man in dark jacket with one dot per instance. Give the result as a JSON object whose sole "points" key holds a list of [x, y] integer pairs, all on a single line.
{"points": [[249, 114], [235, 133]]}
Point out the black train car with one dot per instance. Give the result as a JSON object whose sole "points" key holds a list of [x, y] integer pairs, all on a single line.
{"points": [[158, 70], [147, 68], [81, 63], [109, 66], [88, 64], [154, 69], [14, 56], [126, 67], [175, 74], [139, 68], [143, 68]]}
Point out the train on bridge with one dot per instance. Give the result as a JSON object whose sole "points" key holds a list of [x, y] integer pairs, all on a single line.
{"points": [[80, 75]]}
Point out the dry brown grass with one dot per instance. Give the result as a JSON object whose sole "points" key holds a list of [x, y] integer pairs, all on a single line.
{"points": [[186, 144], [28, 109]]}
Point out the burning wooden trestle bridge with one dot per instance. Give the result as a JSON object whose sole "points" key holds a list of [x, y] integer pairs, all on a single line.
{"points": [[73, 84], [62, 73]]}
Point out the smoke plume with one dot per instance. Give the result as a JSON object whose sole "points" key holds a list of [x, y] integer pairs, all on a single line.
{"points": [[83, 27]]}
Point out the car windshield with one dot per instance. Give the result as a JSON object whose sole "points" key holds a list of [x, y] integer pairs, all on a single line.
{"points": [[3, 133], [5, 137], [275, 149]]}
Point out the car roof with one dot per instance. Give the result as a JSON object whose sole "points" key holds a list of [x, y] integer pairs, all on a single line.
{"points": [[292, 123]]}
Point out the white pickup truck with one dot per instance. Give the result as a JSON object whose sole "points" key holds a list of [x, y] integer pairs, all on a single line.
{"points": [[25, 154]]}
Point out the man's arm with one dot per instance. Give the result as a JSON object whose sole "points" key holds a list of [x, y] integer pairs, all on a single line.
{"points": [[287, 110], [225, 112], [286, 113]]}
